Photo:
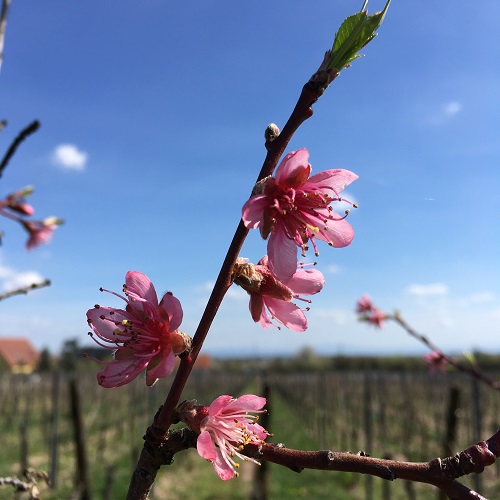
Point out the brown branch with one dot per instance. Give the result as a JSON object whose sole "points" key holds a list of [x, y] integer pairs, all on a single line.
{"points": [[156, 433], [469, 369], [441, 473], [311, 92], [30, 129], [25, 289]]}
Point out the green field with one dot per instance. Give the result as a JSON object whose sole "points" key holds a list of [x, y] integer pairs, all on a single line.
{"points": [[397, 415]]}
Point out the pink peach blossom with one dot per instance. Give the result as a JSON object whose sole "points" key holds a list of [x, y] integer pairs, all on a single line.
{"points": [[436, 361], [224, 428], [16, 201], [364, 304], [268, 293], [370, 313], [293, 209], [40, 231], [144, 335]]}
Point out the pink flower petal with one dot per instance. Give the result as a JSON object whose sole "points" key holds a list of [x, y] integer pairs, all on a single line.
{"points": [[264, 320], [219, 404], [104, 320], [140, 287], [294, 169], [306, 281], [121, 372], [340, 233], [282, 253], [161, 365], [256, 306], [205, 446], [287, 313], [253, 211], [222, 467], [173, 308], [250, 402], [335, 180]]}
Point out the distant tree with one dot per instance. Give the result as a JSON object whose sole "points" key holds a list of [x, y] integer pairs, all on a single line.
{"points": [[45, 364], [70, 354]]}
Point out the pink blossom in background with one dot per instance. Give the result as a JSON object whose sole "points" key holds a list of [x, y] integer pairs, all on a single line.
{"points": [[269, 294], [364, 304], [370, 313], [224, 428], [16, 201], [293, 209], [40, 231], [436, 361], [144, 336]]}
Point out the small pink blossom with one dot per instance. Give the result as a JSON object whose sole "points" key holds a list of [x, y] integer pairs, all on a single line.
{"points": [[364, 304], [369, 313], [224, 428], [293, 209], [144, 336], [268, 293], [40, 231], [16, 201], [436, 361]]}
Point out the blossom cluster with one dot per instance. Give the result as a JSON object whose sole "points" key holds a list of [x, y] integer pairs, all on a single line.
{"points": [[291, 210], [14, 206]]}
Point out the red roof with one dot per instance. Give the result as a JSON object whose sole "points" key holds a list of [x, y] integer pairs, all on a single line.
{"points": [[18, 351]]}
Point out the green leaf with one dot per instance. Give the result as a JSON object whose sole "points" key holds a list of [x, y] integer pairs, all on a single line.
{"points": [[354, 33]]}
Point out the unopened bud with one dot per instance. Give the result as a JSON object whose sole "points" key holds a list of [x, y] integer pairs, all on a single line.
{"points": [[272, 132]]}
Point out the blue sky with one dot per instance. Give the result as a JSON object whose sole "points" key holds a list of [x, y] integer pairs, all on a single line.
{"points": [[164, 105]]}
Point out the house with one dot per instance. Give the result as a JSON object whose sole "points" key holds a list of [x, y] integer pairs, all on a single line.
{"points": [[17, 355]]}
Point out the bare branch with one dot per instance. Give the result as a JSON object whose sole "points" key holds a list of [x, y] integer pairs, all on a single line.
{"points": [[25, 290], [441, 473], [3, 27], [469, 368], [32, 127]]}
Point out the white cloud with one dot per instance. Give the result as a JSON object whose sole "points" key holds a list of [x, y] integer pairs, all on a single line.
{"points": [[69, 157], [237, 293], [476, 299], [430, 290], [333, 269], [446, 112], [452, 108], [12, 279]]}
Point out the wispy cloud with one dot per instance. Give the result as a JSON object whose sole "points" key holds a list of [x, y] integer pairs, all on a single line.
{"points": [[477, 298], [429, 290], [337, 315], [69, 157], [452, 108], [446, 112], [333, 269]]}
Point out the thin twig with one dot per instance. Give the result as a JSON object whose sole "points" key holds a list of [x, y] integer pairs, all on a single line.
{"points": [[30, 129], [25, 290], [3, 27], [469, 369]]}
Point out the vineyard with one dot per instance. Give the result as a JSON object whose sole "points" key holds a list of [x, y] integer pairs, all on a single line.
{"points": [[73, 429]]}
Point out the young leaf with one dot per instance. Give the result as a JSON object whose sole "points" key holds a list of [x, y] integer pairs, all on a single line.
{"points": [[354, 33]]}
